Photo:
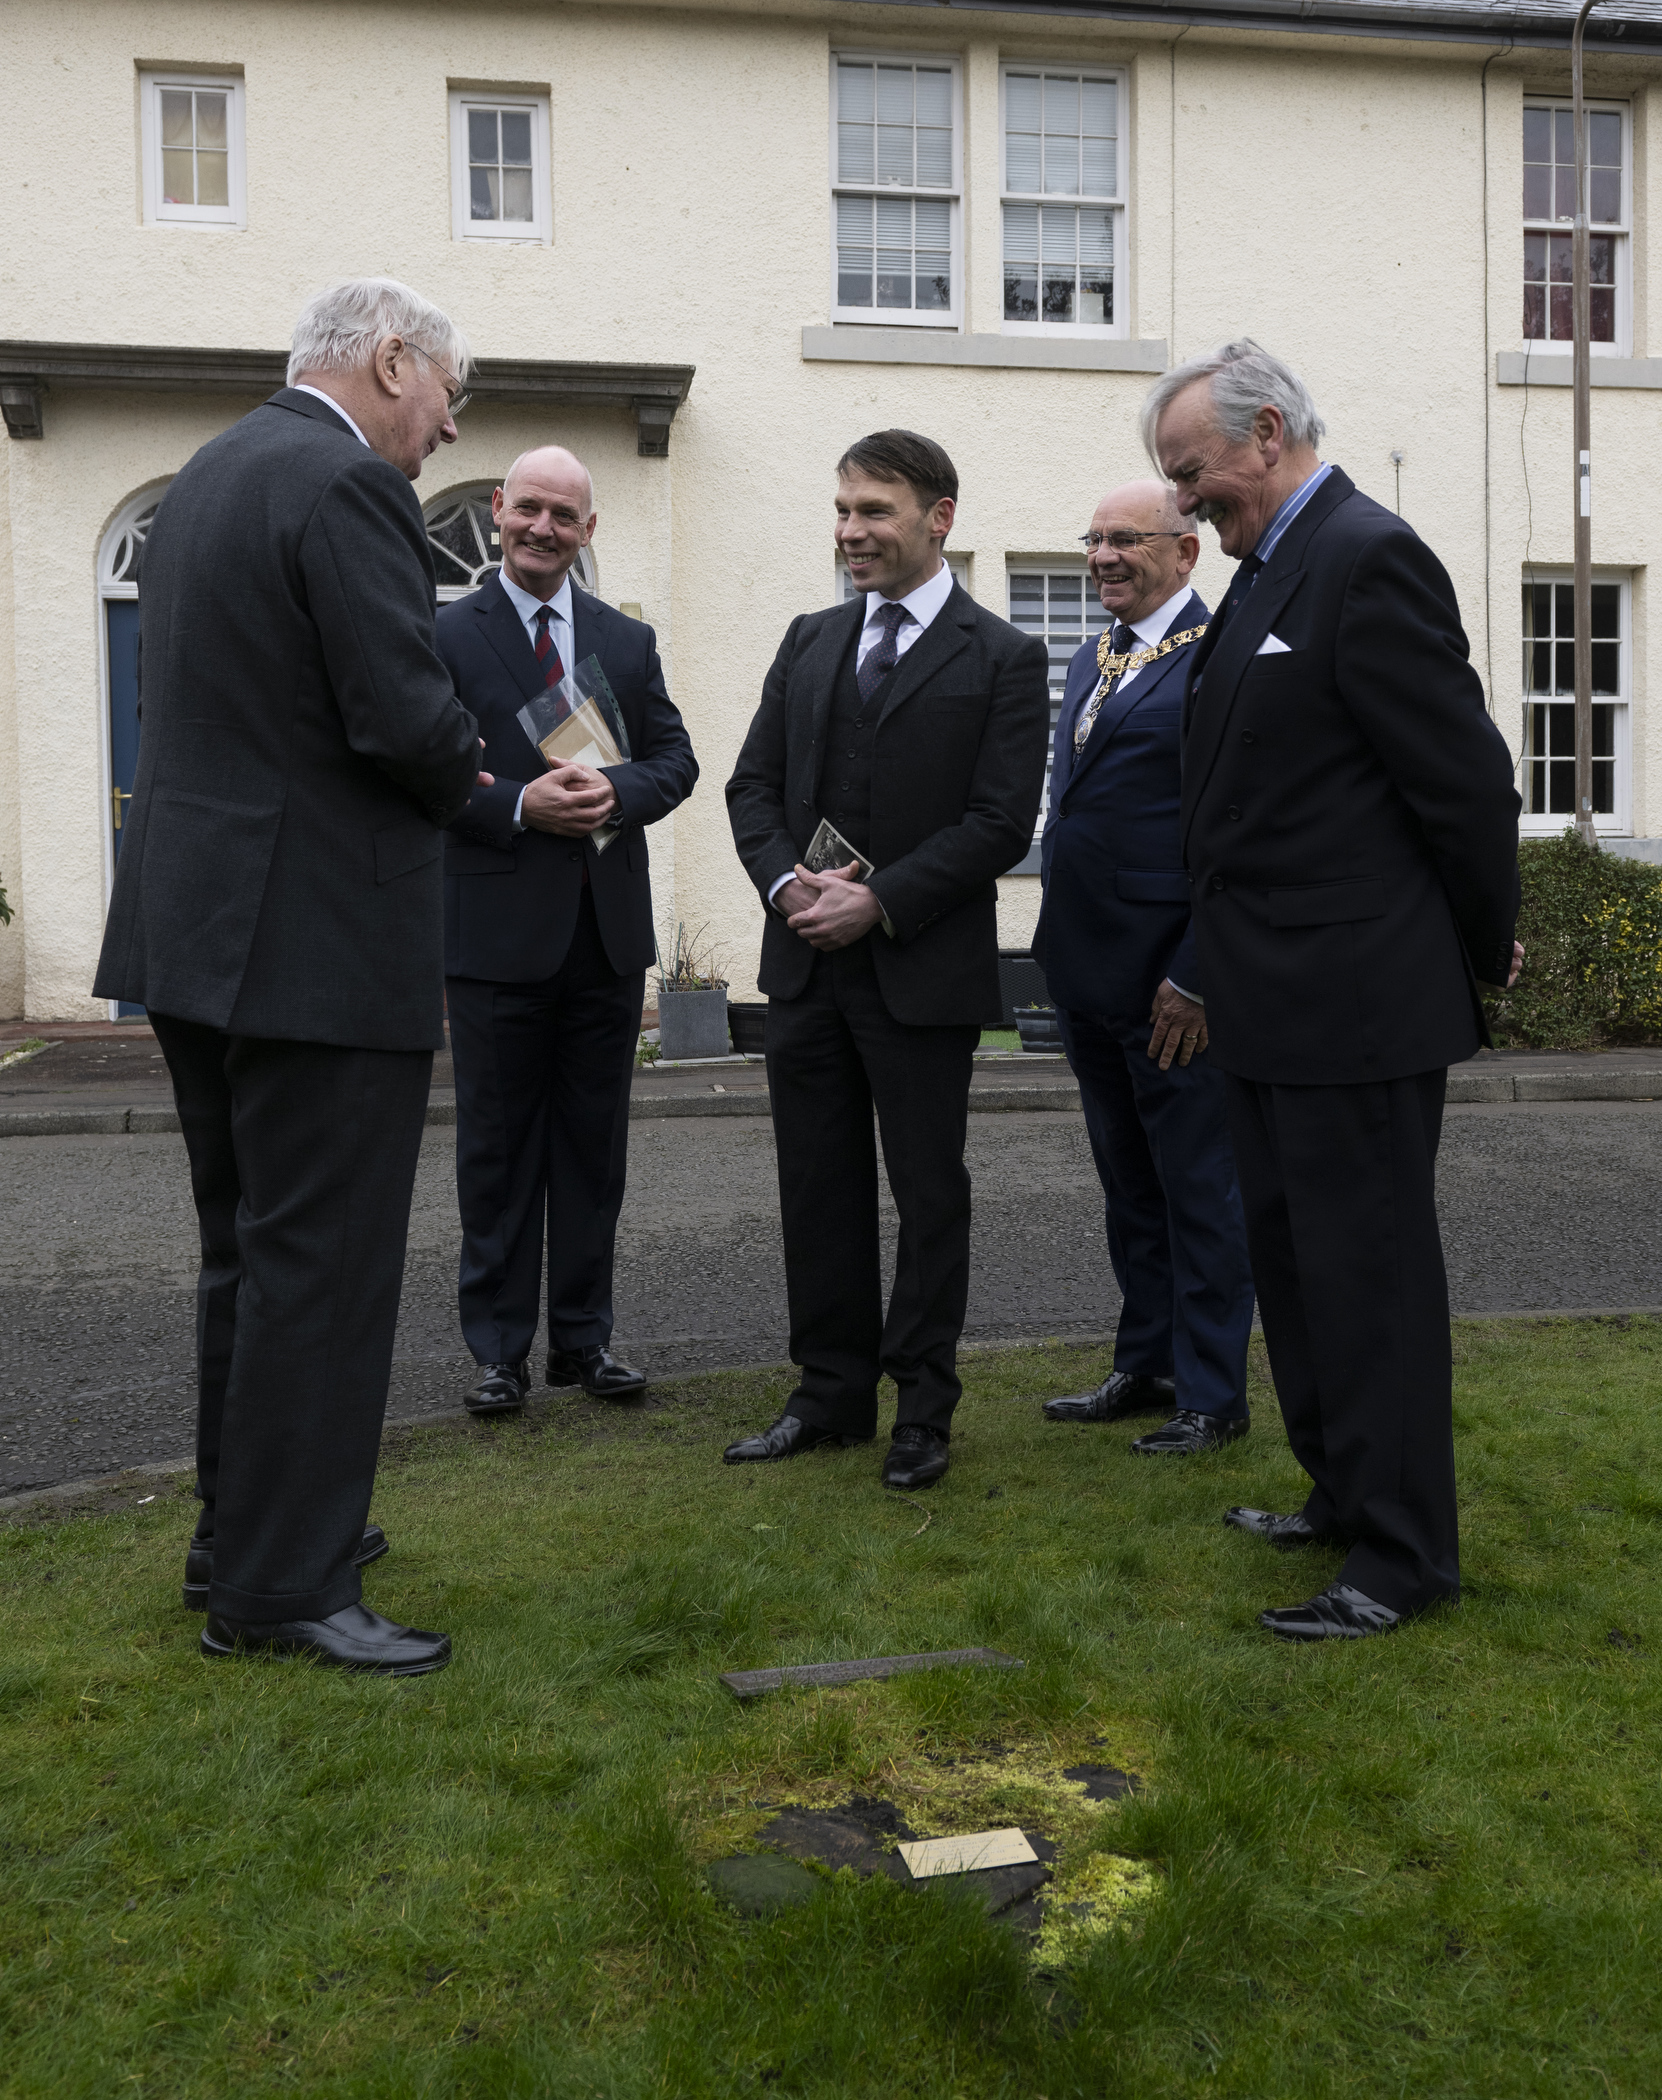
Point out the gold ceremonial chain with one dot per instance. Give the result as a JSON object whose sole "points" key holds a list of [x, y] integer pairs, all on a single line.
{"points": [[1112, 666]]}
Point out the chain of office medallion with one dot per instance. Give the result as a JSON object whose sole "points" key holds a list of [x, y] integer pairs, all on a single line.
{"points": [[1111, 666]]}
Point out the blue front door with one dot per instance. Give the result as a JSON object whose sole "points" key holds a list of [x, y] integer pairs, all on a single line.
{"points": [[122, 626]]}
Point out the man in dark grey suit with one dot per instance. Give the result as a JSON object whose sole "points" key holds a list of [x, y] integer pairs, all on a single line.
{"points": [[916, 724], [277, 909]]}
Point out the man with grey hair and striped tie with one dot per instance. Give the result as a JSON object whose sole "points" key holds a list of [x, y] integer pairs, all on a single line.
{"points": [[1349, 827], [277, 911]]}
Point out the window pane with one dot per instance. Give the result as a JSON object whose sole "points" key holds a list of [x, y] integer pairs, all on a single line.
{"points": [[1604, 195], [1099, 169], [894, 95], [1061, 102], [1537, 134], [1021, 294], [1607, 611], [1059, 234], [1601, 258], [1096, 237], [1535, 256], [1098, 106], [210, 123], [1606, 667], [934, 226], [894, 222], [1560, 315], [894, 277], [1563, 136], [481, 135], [1096, 298], [1021, 102], [1563, 192], [516, 195], [482, 193], [934, 284], [854, 220], [1058, 295], [854, 94], [1601, 316], [176, 127], [1535, 313], [212, 180], [516, 137], [1604, 139], [1021, 163], [1061, 165], [894, 153], [1021, 233], [934, 97], [1537, 194], [178, 178], [1564, 667], [855, 161], [1561, 251], [935, 158]]}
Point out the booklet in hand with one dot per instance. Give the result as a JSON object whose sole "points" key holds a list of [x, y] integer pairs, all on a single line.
{"points": [[577, 722], [828, 849]]}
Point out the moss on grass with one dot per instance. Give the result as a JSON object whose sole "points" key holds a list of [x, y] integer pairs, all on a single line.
{"points": [[1425, 1865]]}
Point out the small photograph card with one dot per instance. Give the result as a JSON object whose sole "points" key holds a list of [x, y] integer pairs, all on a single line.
{"points": [[829, 849], [578, 723], [966, 1855]]}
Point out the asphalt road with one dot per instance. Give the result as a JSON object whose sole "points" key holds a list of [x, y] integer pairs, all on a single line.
{"points": [[1543, 1207]]}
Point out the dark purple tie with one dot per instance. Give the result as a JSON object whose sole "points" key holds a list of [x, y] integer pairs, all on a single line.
{"points": [[547, 655], [884, 654]]}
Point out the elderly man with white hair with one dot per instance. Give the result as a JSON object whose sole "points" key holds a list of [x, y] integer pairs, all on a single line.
{"points": [[277, 910], [1349, 827]]}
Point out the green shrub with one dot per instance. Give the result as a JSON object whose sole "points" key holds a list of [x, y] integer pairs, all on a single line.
{"points": [[1591, 925]]}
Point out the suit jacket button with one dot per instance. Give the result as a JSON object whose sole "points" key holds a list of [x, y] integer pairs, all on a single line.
{"points": [[1233, 814], [574, 856], [1247, 737], [1217, 882]]}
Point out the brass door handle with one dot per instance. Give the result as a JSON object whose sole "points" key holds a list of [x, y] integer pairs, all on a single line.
{"points": [[117, 797]]}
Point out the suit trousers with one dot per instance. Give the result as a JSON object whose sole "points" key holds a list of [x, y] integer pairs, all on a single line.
{"points": [[833, 1053], [302, 1162], [543, 1072], [1176, 1236], [1338, 1184]]}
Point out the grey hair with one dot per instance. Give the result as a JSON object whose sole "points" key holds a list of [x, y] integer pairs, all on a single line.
{"points": [[338, 330], [1245, 378]]}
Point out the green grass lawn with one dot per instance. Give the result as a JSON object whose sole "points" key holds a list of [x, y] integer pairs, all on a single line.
{"points": [[1425, 1865]]}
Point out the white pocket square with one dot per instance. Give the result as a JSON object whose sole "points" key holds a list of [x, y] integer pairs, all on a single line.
{"points": [[1273, 645]]}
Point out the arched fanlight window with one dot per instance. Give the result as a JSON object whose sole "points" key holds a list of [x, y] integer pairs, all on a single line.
{"points": [[118, 557], [464, 542]]}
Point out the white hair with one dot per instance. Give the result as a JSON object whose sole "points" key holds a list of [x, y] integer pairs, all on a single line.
{"points": [[1245, 378], [339, 330]]}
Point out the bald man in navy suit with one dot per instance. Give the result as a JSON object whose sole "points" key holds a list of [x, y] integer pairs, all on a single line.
{"points": [[1115, 944]]}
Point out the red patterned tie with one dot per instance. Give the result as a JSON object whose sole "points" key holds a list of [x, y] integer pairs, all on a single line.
{"points": [[547, 655]]}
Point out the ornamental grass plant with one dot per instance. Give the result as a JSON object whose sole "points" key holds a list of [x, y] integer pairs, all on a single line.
{"points": [[1429, 1864]]}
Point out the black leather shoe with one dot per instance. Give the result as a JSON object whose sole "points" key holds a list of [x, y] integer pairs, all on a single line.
{"points": [[354, 1638], [1123, 1393], [501, 1389], [199, 1564], [1338, 1613], [1189, 1431], [597, 1371], [1282, 1532], [784, 1439], [916, 1458]]}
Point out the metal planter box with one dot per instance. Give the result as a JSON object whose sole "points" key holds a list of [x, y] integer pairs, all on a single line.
{"points": [[693, 1024]]}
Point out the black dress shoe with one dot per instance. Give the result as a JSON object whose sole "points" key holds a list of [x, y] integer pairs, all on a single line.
{"points": [[354, 1638], [784, 1439], [1190, 1431], [1121, 1394], [1338, 1613], [199, 1564], [597, 1371], [1282, 1532], [916, 1458], [501, 1389]]}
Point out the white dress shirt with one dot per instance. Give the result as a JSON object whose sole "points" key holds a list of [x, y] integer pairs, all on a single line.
{"points": [[921, 607], [1153, 628], [318, 394], [559, 629]]}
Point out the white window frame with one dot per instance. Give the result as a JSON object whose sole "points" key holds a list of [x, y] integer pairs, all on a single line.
{"points": [[199, 218], [1618, 822], [1622, 345], [1120, 203], [952, 317], [1090, 607], [463, 227]]}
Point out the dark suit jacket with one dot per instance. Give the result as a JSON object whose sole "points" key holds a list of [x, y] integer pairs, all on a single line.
{"points": [[516, 927], [1115, 919], [301, 746], [1349, 820], [957, 773]]}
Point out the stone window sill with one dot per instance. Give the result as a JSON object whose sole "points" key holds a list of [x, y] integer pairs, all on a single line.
{"points": [[1555, 370], [946, 346]]}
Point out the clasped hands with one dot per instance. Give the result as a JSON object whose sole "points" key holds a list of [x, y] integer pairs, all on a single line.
{"points": [[568, 800], [832, 909]]}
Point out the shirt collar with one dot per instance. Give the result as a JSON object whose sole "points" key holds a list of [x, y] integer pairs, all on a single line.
{"points": [[526, 606], [1153, 627], [923, 603], [1271, 538], [329, 401]]}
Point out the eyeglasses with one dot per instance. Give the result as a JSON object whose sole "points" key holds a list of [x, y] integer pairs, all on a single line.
{"points": [[1122, 542], [460, 398]]}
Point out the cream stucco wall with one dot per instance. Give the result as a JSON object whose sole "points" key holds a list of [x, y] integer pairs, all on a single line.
{"points": [[1324, 194]]}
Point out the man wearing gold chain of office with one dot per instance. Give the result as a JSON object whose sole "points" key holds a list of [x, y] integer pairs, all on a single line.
{"points": [[1115, 945]]}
